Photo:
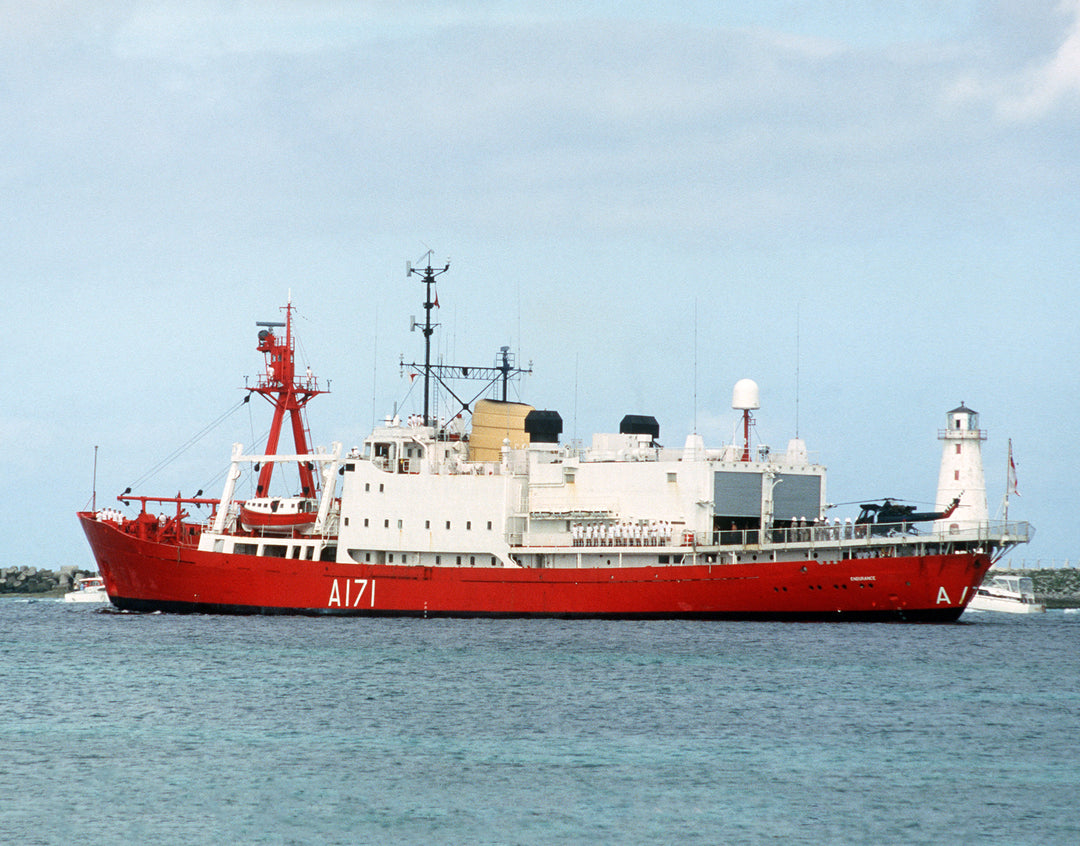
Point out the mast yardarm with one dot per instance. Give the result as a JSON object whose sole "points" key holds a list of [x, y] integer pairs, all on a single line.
{"points": [[288, 392]]}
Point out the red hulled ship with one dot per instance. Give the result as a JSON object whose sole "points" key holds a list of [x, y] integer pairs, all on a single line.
{"points": [[499, 519]]}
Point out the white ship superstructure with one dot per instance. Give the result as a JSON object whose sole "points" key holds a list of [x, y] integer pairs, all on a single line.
{"points": [[548, 505]]}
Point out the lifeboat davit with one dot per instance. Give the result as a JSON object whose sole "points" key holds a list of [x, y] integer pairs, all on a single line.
{"points": [[278, 515]]}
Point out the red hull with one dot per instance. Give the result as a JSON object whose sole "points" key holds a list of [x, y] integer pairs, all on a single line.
{"points": [[144, 575]]}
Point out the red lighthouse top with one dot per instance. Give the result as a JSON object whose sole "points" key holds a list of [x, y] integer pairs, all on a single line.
{"points": [[289, 393]]}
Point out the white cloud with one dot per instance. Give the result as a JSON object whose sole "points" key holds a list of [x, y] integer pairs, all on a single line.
{"points": [[1037, 90], [1054, 82]]}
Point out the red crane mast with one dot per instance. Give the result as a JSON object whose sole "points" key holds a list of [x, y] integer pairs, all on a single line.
{"points": [[288, 393]]}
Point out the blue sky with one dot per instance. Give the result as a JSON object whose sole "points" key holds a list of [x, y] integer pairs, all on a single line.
{"points": [[647, 203]]}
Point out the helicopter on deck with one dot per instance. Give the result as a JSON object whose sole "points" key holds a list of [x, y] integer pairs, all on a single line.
{"points": [[891, 518]]}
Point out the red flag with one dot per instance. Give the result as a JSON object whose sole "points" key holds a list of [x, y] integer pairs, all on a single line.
{"points": [[436, 299]]}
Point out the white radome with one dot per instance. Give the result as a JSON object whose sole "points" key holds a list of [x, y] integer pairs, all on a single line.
{"points": [[745, 396]]}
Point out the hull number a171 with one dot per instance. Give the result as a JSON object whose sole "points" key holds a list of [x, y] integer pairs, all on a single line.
{"points": [[348, 593]]}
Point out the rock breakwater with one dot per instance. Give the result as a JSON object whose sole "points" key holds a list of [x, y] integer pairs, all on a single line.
{"points": [[32, 580]]}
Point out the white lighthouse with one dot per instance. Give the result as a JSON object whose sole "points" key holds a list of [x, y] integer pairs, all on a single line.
{"points": [[962, 471]]}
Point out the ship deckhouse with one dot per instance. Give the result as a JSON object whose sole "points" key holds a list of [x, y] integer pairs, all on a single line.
{"points": [[413, 495]]}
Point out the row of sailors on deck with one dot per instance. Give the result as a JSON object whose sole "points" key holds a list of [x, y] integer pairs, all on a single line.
{"points": [[820, 529], [110, 514], [656, 533]]}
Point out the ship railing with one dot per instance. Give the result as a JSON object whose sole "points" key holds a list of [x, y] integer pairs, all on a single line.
{"points": [[844, 536], [730, 454], [997, 533]]}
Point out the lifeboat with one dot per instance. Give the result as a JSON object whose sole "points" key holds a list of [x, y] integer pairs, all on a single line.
{"points": [[278, 515]]}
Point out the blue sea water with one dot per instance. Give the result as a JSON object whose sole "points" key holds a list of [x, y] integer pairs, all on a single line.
{"points": [[132, 728]]}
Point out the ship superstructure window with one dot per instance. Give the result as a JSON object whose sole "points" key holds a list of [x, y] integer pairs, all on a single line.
{"points": [[489, 525], [365, 522], [427, 524], [468, 525], [448, 525]]}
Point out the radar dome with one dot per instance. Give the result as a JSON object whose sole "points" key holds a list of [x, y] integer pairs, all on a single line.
{"points": [[745, 395]]}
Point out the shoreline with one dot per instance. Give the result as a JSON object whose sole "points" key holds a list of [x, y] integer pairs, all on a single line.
{"points": [[1054, 588]]}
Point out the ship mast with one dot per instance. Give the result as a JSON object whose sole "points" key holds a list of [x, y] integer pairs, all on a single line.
{"points": [[503, 370], [288, 393], [428, 275]]}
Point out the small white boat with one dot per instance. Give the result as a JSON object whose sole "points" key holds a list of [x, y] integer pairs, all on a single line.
{"points": [[1011, 594], [88, 589]]}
